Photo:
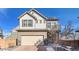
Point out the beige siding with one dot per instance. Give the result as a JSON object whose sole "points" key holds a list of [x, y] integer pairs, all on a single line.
{"points": [[44, 34], [39, 25], [31, 40], [27, 17], [35, 25]]}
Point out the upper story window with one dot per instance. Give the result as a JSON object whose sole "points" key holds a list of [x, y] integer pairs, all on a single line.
{"points": [[40, 21], [27, 23], [48, 24], [36, 21], [30, 23], [44, 21], [24, 23]]}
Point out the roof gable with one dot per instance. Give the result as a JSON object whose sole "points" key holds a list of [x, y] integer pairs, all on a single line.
{"points": [[25, 14], [35, 11], [32, 15]]}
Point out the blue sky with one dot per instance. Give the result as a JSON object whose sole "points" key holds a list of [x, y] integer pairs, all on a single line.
{"points": [[8, 16]]}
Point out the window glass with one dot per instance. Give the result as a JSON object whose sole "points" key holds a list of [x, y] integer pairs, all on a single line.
{"points": [[30, 23], [36, 21], [44, 21], [49, 25], [40, 21], [24, 23], [27, 23]]}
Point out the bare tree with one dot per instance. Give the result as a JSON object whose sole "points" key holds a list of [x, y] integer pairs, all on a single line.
{"points": [[53, 34], [68, 30]]}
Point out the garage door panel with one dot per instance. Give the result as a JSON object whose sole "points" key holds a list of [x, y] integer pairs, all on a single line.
{"points": [[30, 40]]}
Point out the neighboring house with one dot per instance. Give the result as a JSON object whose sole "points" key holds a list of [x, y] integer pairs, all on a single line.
{"points": [[10, 40], [33, 27], [1, 33], [2, 41]]}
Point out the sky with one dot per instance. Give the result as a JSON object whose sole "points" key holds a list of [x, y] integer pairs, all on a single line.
{"points": [[9, 16]]}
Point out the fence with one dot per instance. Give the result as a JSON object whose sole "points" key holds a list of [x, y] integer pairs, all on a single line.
{"points": [[69, 42]]}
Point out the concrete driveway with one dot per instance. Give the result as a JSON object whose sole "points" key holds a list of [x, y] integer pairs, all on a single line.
{"points": [[33, 48], [26, 48]]}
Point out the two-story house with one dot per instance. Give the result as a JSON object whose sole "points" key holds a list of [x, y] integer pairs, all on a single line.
{"points": [[33, 27]]}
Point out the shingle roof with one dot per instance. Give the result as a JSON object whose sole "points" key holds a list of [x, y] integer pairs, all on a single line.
{"points": [[38, 13], [27, 12], [52, 19]]}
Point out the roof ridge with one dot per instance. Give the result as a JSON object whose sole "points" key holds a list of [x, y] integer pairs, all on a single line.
{"points": [[31, 16], [33, 9]]}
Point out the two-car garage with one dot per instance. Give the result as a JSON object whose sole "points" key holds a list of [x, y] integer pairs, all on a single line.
{"points": [[31, 40], [31, 37]]}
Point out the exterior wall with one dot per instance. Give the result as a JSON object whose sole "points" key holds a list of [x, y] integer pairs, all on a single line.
{"points": [[41, 26], [35, 25], [38, 17], [30, 33], [26, 17], [52, 23]]}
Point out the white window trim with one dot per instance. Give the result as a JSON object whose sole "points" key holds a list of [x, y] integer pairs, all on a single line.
{"points": [[27, 23]]}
